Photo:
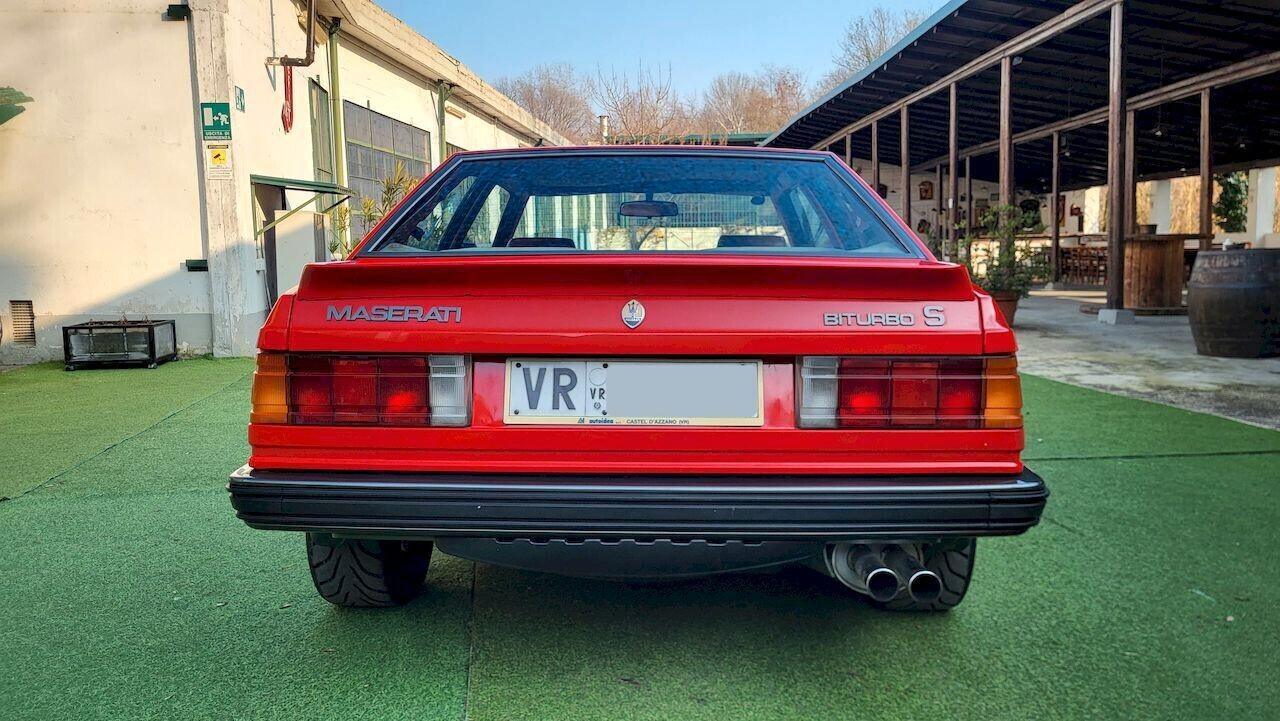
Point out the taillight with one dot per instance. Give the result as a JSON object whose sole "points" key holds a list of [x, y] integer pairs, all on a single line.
{"points": [[346, 390], [870, 392]]}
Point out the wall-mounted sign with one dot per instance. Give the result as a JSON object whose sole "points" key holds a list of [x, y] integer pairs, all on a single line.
{"points": [[217, 161], [926, 190], [239, 98], [215, 121]]}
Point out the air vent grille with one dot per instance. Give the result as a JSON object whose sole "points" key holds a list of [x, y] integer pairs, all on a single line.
{"points": [[24, 322]]}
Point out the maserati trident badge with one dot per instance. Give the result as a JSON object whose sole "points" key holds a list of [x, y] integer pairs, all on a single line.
{"points": [[633, 313]]}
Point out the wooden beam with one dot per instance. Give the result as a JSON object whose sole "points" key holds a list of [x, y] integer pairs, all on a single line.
{"points": [[953, 174], [875, 157], [1206, 172], [1116, 142], [1239, 72], [1055, 221], [1075, 15], [848, 150], [1006, 131], [904, 162]]}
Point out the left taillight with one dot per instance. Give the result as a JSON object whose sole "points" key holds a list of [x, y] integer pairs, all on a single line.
{"points": [[354, 390]]}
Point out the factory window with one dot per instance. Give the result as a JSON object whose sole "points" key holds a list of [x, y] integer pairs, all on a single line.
{"points": [[376, 146]]}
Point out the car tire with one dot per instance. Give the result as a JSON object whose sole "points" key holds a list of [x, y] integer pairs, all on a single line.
{"points": [[953, 562], [367, 574]]}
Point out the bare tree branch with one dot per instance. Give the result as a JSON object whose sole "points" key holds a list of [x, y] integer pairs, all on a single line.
{"points": [[556, 94], [867, 37]]}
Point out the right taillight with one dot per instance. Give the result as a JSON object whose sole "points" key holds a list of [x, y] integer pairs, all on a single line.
{"points": [[873, 392], [353, 390]]}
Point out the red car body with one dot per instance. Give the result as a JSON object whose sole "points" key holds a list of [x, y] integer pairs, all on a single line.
{"points": [[524, 494]]}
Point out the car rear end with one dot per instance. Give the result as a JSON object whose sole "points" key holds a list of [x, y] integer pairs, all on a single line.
{"points": [[639, 362]]}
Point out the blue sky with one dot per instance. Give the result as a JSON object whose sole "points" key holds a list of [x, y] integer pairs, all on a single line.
{"points": [[698, 39]]}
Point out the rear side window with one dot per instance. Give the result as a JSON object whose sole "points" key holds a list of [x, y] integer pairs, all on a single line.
{"points": [[642, 203]]}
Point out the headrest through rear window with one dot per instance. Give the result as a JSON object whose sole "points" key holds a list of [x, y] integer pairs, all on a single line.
{"points": [[751, 241], [540, 243]]}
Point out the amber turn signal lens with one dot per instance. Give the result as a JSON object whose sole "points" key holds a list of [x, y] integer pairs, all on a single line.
{"points": [[270, 404], [1003, 407]]}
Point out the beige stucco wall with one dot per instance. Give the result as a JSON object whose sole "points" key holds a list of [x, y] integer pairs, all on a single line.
{"points": [[97, 184], [102, 182]]}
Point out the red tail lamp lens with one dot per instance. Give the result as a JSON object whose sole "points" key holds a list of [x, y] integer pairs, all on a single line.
{"points": [[960, 393], [366, 390], [865, 393], [402, 391], [861, 392], [915, 393]]}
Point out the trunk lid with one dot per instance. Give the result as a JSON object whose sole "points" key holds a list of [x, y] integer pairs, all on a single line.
{"points": [[694, 305]]}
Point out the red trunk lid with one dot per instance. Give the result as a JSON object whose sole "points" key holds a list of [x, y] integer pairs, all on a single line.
{"points": [[694, 305]]}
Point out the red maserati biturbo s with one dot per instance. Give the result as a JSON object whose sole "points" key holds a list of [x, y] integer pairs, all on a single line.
{"points": [[638, 362]]}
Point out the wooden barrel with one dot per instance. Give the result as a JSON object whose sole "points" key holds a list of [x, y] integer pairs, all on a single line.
{"points": [[1153, 272], [1234, 302]]}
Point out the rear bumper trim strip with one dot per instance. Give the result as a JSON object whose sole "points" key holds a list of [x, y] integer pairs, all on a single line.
{"points": [[637, 507]]}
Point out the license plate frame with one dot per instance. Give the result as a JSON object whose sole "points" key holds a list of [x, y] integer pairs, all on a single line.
{"points": [[703, 369]]}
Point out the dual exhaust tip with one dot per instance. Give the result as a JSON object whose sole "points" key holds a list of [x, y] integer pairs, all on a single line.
{"points": [[882, 573]]}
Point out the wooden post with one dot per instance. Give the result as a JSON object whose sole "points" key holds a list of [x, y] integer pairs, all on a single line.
{"points": [[1130, 178], [969, 221], [1116, 174], [1055, 219], [1206, 173], [848, 150], [953, 177], [940, 230], [875, 157], [1006, 130], [904, 157]]}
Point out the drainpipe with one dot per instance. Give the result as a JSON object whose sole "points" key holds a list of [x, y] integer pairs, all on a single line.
{"points": [[443, 91], [338, 133]]}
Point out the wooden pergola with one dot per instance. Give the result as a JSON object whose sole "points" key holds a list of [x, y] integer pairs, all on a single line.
{"points": [[1064, 94]]}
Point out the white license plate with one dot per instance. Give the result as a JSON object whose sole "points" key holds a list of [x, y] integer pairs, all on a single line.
{"points": [[638, 393]]}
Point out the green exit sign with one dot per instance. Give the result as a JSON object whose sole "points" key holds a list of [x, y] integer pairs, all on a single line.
{"points": [[215, 120]]}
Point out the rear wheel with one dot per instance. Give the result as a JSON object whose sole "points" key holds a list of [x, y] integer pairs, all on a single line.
{"points": [[367, 574], [953, 562]]}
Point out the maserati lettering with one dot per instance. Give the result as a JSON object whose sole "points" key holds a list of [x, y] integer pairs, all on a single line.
{"points": [[395, 313]]}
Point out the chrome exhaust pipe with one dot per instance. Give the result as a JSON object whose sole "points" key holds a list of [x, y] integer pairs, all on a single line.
{"points": [[924, 585], [862, 569]]}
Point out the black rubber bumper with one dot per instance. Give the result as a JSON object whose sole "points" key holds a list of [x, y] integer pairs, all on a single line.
{"points": [[637, 507]]}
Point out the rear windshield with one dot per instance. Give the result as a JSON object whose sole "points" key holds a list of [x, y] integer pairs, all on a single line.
{"points": [[641, 203]]}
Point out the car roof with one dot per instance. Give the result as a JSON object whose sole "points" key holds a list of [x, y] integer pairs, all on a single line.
{"points": [[649, 150]]}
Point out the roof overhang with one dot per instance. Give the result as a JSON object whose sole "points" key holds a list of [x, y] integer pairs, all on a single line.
{"points": [[1167, 42], [389, 36]]}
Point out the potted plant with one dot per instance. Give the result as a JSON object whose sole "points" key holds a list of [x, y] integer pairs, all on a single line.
{"points": [[1005, 270]]}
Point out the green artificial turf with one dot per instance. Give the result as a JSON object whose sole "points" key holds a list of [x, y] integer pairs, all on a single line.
{"points": [[130, 590], [54, 419]]}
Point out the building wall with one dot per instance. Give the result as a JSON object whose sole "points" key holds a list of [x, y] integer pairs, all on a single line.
{"points": [[368, 79], [103, 185], [98, 187], [474, 131]]}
